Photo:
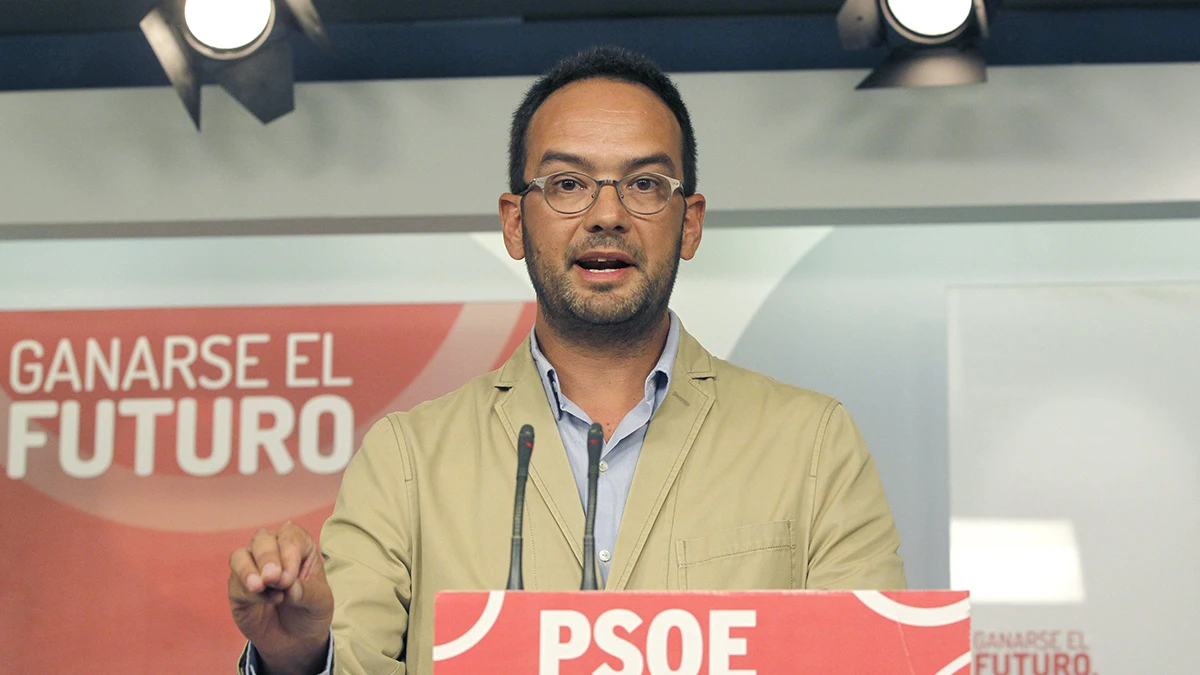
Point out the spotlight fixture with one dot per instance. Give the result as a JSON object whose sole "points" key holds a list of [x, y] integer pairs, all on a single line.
{"points": [[933, 42], [227, 26], [239, 44]]}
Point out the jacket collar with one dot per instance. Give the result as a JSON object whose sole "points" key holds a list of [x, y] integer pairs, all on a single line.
{"points": [[668, 440], [692, 362]]}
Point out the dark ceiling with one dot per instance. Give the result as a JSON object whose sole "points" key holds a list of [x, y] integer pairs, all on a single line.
{"points": [[92, 16], [55, 44]]}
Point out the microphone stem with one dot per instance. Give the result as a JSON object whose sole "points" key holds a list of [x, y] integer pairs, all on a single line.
{"points": [[524, 452], [595, 445]]}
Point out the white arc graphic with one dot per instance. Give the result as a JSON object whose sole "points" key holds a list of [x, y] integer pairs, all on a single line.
{"points": [[956, 665], [914, 616], [469, 639]]}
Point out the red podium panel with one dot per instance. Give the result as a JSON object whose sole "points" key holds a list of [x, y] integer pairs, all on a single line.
{"points": [[764, 632]]}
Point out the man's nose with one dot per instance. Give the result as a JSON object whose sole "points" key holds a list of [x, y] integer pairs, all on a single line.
{"points": [[607, 212]]}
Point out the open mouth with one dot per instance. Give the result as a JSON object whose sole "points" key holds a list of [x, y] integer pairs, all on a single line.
{"points": [[604, 262], [603, 265]]}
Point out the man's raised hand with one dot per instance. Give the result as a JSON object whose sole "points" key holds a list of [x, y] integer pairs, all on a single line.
{"points": [[281, 601]]}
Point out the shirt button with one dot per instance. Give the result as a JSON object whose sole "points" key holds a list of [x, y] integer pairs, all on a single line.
{"points": [[604, 556], [603, 466]]}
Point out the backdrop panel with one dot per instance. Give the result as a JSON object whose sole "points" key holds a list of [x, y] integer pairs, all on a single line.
{"points": [[144, 445], [1075, 476], [857, 312]]}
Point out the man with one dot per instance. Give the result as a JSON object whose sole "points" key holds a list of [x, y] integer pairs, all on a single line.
{"points": [[713, 477]]}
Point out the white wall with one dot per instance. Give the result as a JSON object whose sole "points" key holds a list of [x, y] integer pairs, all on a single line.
{"points": [[401, 151]]}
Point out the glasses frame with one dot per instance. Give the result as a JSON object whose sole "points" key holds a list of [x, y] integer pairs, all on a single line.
{"points": [[540, 183]]}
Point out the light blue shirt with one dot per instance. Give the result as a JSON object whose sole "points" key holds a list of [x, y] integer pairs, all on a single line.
{"points": [[617, 460], [619, 457]]}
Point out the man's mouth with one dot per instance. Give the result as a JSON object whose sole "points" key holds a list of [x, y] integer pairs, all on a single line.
{"points": [[604, 263]]}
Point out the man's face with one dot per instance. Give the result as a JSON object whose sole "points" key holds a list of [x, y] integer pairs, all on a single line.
{"points": [[605, 266]]}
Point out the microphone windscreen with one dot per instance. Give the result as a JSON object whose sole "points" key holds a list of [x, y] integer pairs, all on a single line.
{"points": [[524, 446], [595, 444]]}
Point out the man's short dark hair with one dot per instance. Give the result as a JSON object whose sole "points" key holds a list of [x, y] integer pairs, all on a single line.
{"points": [[611, 63]]}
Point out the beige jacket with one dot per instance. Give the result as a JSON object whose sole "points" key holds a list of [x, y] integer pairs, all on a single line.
{"points": [[742, 483]]}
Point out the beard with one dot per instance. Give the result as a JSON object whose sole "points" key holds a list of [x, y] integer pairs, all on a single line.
{"points": [[601, 318]]}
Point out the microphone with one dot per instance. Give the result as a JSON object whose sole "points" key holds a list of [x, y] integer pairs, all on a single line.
{"points": [[524, 452], [595, 443]]}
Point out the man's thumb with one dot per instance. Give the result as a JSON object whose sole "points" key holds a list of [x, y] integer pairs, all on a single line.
{"points": [[295, 594], [310, 595]]}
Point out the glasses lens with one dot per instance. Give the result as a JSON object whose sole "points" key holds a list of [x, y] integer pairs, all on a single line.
{"points": [[569, 192], [646, 192]]}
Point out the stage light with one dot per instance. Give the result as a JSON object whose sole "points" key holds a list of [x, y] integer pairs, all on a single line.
{"points": [[239, 44], [930, 18], [228, 25], [932, 42]]}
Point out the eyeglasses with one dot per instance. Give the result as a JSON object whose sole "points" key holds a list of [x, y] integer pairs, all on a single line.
{"points": [[571, 192]]}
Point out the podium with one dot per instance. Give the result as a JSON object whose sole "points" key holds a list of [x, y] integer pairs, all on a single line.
{"points": [[700, 633]]}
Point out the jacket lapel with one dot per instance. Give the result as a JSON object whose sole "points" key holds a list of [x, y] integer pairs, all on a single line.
{"points": [[668, 440], [525, 403]]}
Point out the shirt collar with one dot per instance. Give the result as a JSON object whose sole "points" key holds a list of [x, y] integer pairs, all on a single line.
{"points": [[657, 382]]}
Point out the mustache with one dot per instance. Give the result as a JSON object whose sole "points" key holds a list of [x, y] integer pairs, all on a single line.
{"points": [[607, 240]]}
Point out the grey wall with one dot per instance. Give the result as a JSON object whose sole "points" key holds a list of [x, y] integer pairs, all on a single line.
{"points": [[102, 159], [862, 317]]}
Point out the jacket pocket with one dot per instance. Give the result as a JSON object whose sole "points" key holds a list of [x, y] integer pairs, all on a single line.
{"points": [[752, 557]]}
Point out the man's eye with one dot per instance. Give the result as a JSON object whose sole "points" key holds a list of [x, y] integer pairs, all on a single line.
{"points": [[645, 184], [568, 185]]}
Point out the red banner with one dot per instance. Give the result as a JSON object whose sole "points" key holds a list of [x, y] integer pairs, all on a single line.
{"points": [[141, 447], [767, 632]]}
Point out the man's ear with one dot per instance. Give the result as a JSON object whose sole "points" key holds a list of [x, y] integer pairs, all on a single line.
{"points": [[693, 226], [510, 222]]}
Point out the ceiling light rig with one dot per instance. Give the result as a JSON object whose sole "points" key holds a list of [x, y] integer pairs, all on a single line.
{"points": [[933, 42], [239, 44]]}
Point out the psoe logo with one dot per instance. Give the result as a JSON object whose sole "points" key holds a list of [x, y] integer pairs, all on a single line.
{"points": [[566, 635]]}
